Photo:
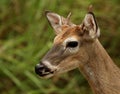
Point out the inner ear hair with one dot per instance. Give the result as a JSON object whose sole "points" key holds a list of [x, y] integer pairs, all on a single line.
{"points": [[97, 27], [91, 13], [83, 30], [89, 25], [85, 34]]}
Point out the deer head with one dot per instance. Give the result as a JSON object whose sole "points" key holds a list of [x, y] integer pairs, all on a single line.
{"points": [[70, 46]]}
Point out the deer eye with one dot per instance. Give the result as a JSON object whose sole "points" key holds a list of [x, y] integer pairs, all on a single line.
{"points": [[72, 44]]}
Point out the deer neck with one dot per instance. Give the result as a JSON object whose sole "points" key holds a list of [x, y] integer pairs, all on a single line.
{"points": [[100, 71]]}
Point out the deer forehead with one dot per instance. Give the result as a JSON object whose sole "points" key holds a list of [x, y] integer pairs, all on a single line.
{"points": [[68, 34]]}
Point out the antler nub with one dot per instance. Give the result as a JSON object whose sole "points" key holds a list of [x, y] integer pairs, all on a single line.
{"points": [[68, 18], [69, 15], [90, 8]]}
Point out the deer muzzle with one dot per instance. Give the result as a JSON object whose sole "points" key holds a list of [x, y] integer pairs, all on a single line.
{"points": [[42, 70]]}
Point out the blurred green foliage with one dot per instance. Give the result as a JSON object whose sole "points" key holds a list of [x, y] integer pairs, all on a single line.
{"points": [[25, 36]]}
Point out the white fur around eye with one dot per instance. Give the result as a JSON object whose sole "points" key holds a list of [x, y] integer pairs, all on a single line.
{"points": [[68, 40], [71, 50]]}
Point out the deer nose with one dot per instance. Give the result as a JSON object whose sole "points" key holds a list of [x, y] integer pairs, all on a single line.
{"points": [[42, 70]]}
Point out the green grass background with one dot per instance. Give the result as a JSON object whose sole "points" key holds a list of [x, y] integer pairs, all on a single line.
{"points": [[25, 36]]}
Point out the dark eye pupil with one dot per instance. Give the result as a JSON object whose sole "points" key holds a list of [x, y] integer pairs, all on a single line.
{"points": [[72, 44]]}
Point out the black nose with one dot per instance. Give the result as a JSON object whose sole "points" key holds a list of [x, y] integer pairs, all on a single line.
{"points": [[39, 67], [42, 70]]}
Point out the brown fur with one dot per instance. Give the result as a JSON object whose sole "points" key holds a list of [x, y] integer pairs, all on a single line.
{"points": [[97, 67], [91, 58], [100, 71]]}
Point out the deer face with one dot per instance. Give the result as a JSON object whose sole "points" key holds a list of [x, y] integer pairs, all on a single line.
{"points": [[69, 47]]}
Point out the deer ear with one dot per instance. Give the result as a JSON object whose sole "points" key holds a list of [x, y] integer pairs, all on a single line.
{"points": [[55, 21], [90, 25]]}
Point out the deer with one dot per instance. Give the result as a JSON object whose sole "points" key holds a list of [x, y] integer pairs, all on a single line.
{"points": [[77, 46]]}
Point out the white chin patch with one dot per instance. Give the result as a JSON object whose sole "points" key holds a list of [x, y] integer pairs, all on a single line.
{"points": [[48, 76]]}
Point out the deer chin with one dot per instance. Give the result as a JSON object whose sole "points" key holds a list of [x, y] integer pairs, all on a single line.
{"points": [[47, 76], [51, 74]]}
